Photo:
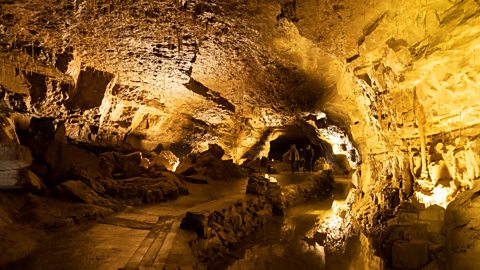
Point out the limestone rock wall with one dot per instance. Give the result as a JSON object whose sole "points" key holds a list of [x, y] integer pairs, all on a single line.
{"points": [[116, 81], [401, 78], [461, 228]]}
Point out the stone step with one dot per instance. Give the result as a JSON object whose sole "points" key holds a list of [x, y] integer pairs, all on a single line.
{"points": [[160, 261], [155, 248], [157, 244], [137, 257]]}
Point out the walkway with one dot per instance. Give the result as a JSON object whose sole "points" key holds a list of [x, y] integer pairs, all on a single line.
{"points": [[146, 237], [138, 238]]}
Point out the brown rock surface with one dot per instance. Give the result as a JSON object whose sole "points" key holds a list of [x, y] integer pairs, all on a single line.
{"points": [[399, 80]]}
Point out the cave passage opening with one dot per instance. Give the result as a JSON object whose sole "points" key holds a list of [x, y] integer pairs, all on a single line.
{"points": [[294, 135]]}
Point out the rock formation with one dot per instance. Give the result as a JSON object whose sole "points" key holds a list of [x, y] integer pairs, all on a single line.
{"points": [[98, 90]]}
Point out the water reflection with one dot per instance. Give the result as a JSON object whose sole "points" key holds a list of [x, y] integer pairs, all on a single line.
{"points": [[283, 244]]}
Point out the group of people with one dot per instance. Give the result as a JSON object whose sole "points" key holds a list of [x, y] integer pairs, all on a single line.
{"points": [[302, 159]]}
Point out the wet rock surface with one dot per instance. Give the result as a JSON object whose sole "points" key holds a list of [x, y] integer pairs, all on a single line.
{"points": [[221, 232], [316, 186]]}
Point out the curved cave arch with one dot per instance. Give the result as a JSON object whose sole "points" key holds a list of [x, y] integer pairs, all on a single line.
{"points": [[280, 140], [294, 135]]}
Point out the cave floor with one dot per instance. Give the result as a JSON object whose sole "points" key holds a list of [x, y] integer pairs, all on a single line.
{"points": [[146, 237]]}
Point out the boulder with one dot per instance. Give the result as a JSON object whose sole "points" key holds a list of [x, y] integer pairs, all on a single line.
{"points": [[108, 164], [85, 194], [69, 161], [197, 222], [7, 130], [210, 164], [30, 180], [165, 159], [130, 164], [118, 165], [93, 183]]}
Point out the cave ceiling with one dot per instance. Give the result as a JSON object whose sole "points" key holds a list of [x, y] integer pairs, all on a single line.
{"points": [[196, 72]]}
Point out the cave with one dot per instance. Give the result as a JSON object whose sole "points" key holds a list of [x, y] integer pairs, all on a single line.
{"points": [[152, 134], [292, 135]]}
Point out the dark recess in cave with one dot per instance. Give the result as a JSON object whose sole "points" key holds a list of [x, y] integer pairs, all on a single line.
{"points": [[91, 87], [295, 136]]}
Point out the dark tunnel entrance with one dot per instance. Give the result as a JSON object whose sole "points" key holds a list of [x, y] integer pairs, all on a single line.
{"points": [[294, 135]]}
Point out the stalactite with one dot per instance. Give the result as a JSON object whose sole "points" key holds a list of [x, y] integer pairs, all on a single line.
{"points": [[420, 119]]}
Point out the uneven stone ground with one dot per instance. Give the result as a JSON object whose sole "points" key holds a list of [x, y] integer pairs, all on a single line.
{"points": [[112, 243], [149, 235]]}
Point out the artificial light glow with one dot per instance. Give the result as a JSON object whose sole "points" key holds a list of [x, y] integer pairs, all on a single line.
{"points": [[321, 115], [271, 178], [174, 166], [440, 196], [339, 140]]}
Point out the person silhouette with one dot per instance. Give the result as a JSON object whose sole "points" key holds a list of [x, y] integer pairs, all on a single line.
{"points": [[293, 156], [309, 154]]}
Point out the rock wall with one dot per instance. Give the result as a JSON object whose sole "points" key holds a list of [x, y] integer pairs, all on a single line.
{"points": [[115, 81], [315, 186], [401, 78], [220, 232], [461, 231]]}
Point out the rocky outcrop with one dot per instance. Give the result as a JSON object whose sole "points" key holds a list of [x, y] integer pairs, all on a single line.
{"points": [[220, 231], [210, 165], [138, 190], [85, 194], [461, 231], [316, 186], [269, 189]]}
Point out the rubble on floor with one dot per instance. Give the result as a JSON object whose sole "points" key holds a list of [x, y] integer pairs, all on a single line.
{"points": [[71, 184], [209, 166]]}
